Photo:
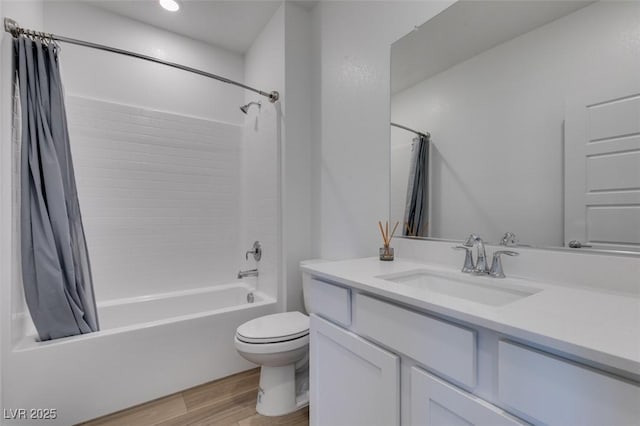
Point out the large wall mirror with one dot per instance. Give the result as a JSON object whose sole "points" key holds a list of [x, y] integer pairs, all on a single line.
{"points": [[520, 117]]}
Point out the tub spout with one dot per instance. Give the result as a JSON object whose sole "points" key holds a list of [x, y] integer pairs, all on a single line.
{"points": [[248, 273]]}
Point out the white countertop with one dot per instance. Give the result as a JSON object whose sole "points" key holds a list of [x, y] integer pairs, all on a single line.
{"points": [[586, 323]]}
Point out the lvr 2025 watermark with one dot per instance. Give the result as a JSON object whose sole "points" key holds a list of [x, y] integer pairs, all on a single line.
{"points": [[30, 413]]}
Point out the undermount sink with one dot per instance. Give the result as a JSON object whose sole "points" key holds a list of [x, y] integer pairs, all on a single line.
{"points": [[477, 289]]}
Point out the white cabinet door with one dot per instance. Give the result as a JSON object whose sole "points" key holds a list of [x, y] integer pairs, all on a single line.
{"points": [[435, 402], [353, 382]]}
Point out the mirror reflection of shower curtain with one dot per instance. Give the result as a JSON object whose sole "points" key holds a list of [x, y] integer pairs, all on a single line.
{"points": [[416, 217]]}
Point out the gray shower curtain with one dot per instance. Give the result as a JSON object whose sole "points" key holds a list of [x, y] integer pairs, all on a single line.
{"points": [[55, 263], [416, 220]]}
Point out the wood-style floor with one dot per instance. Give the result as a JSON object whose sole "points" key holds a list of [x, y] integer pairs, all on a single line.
{"points": [[224, 402]]}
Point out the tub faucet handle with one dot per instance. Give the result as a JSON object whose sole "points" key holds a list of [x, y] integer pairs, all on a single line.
{"points": [[257, 252]]}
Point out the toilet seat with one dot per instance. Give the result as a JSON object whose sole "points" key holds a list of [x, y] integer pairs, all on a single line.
{"points": [[276, 328], [272, 348]]}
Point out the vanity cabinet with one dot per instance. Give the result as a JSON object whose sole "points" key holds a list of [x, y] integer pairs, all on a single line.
{"points": [[435, 402], [353, 382], [555, 391], [375, 361], [446, 348]]}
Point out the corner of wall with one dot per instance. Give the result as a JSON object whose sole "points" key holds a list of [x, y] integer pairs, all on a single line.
{"points": [[296, 152], [264, 135], [3, 123], [316, 129]]}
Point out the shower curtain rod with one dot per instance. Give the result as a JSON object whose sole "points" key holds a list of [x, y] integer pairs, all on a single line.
{"points": [[400, 126], [15, 30]]}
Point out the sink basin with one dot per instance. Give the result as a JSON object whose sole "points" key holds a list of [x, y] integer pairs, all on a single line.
{"points": [[484, 290]]}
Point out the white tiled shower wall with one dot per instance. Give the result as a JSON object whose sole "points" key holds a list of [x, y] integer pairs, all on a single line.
{"points": [[160, 197], [158, 162]]}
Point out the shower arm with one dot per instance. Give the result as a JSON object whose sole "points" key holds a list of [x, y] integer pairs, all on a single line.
{"points": [[15, 30]]}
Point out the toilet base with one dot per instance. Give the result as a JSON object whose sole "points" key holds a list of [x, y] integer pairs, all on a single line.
{"points": [[277, 391]]}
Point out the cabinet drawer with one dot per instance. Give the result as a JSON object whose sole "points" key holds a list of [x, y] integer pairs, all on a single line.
{"points": [[330, 301], [446, 348], [559, 392], [435, 402]]}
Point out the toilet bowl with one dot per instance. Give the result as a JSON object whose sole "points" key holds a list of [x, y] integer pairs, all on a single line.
{"points": [[279, 343]]}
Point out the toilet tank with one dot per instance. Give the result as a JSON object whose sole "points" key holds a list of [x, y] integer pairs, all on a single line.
{"points": [[306, 279]]}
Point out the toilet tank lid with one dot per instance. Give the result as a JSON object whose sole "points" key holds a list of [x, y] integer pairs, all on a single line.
{"points": [[283, 325]]}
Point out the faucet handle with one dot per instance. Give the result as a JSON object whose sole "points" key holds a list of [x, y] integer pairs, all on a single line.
{"points": [[468, 259], [257, 252], [509, 239], [471, 239], [496, 264]]}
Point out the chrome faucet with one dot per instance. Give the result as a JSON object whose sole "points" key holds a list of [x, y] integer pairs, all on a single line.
{"points": [[248, 273], [496, 264], [468, 259], [256, 252], [480, 266]]}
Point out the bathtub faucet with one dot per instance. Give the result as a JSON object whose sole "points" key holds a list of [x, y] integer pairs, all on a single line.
{"points": [[248, 273]]}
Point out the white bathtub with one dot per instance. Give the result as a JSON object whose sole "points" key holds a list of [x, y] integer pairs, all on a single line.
{"points": [[147, 347]]}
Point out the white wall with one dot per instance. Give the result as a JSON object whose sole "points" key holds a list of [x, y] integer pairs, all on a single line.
{"points": [[264, 69], [296, 155], [350, 153], [108, 76], [496, 122]]}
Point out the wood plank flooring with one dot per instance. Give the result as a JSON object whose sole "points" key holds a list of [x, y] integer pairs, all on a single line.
{"points": [[230, 401]]}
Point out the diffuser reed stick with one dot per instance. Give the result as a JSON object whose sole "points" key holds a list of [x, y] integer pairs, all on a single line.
{"points": [[384, 238], [393, 232], [386, 252]]}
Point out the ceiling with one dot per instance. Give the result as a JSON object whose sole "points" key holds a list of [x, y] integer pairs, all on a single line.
{"points": [[233, 25], [466, 29]]}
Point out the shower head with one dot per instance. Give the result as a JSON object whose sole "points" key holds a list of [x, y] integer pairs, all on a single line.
{"points": [[245, 108]]}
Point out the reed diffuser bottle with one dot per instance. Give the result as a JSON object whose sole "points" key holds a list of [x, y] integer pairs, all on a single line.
{"points": [[386, 251]]}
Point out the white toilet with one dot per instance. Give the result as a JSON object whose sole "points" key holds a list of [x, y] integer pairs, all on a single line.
{"points": [[279, 343]]}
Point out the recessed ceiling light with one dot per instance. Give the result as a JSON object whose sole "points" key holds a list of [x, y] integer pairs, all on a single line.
{"points": [[170, 5]]}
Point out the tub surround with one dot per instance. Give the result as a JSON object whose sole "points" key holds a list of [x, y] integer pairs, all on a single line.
{"points": [[172, 341], [559, 355]]}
